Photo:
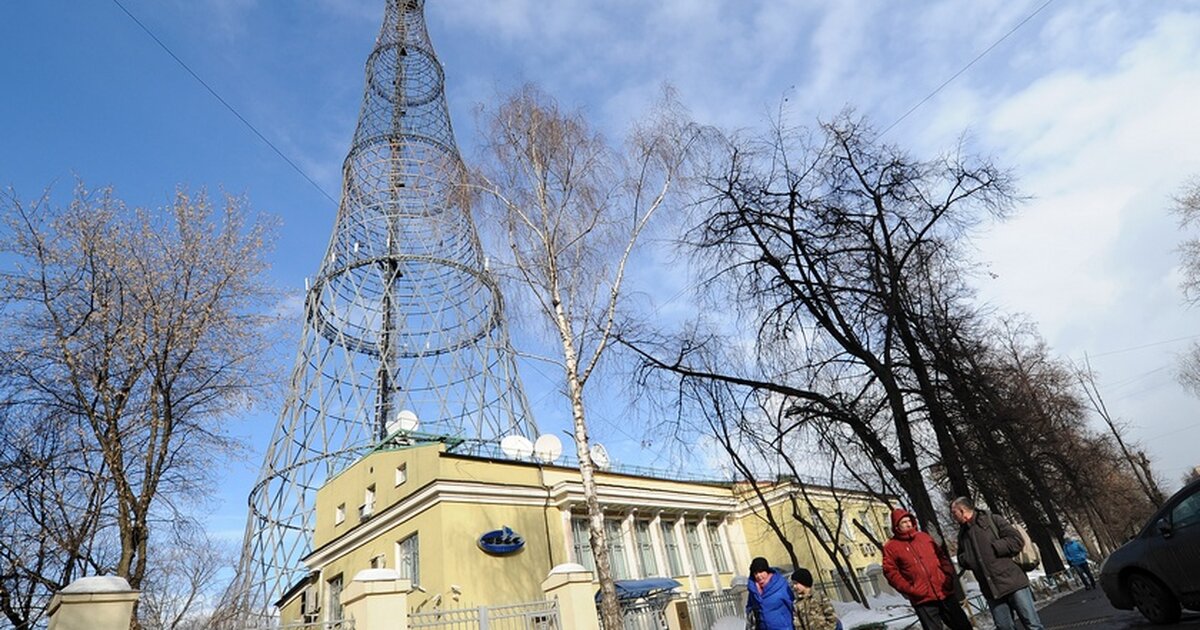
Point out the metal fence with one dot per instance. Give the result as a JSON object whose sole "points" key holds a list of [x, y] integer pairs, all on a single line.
{"points": [[540, 615], [706, 608], [644, 615]]}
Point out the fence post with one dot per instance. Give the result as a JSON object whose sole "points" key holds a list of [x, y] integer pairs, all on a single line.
{"points": [[377, 598], [93, 603], [571, 585]]}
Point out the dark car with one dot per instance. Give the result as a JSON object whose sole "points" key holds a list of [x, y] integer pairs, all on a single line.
{"points": [[1159, 570]]}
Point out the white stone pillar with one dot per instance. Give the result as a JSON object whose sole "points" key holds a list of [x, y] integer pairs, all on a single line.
{"points": [[571, 585], [377, 598], [93, 603]]}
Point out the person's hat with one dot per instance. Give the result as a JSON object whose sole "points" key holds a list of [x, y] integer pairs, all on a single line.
{"points": [[803, 576], [759, 565]]}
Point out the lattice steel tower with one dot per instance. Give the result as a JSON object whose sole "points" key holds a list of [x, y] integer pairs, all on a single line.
{"points": [[401, 316]]}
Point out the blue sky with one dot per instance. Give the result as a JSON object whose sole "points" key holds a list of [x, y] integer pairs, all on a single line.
{"points": [[1090, 102]]}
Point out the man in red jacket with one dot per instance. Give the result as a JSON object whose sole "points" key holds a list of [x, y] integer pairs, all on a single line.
{"points": [[919, 569]]}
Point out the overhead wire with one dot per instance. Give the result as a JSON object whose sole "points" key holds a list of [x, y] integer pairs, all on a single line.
{"points": [[954, 76], [224, 102]]}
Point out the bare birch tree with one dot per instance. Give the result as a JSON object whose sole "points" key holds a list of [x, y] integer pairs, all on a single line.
{"points": [[133, 334], [571, 210]]}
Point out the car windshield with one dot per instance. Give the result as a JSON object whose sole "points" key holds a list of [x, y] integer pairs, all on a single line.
{"points": [[1183, 514], [1186, 513]]}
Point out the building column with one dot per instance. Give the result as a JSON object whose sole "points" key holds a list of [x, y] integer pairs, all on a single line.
{"points": [[633, 555], [377, 598], [679, 530], [660, 546], [93, 603], [706, 551]]}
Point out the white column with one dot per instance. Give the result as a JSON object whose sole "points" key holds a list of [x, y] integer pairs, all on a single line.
{"points": [[659, 545], [633, 554]]}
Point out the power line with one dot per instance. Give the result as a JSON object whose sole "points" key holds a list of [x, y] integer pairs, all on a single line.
{"points": [[231, 108], [1144, 346], [966, 67]]}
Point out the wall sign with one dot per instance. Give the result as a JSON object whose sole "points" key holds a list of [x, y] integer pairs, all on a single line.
{"points": [[501, 541]]}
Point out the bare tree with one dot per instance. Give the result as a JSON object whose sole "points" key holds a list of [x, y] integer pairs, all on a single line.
{"points": [[769, 445], [182, 587], [1137, 461], [136, 333], [821, 243], [1187, 209], [571, 209]]}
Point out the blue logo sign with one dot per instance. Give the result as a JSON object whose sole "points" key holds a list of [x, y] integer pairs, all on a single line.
{"points": [[501, 541]]}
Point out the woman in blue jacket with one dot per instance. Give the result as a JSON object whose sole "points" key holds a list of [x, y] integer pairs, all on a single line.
{"points": [[770, 598]]}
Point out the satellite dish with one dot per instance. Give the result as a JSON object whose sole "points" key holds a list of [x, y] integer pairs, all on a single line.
{"points": [[516, 446], [548, 448], [405, 422], [600, 457]]}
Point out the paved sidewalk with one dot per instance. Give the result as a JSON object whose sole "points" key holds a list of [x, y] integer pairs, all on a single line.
{"points": [[1091, 610]]}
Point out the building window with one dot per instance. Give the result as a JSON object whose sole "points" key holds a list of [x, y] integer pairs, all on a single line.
{"points": [[310, 604], [695, 549], [864, 517], [869, 583], [645, 549], [368, 506], [671, 546], [408, 560], [580, 542], [339, 516], [717, 547], [378, 562], [819, 523], [335, 598], [848, 529], [401, 474], [616, 549]]}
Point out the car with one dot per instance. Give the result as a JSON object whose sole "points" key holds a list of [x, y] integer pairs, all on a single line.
{"points": [[1158, 571]]}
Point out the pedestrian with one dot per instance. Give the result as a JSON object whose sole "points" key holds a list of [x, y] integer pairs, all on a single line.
{"points": [[1078, 559], [769, 601], [812, 609], [986, 545], [920, 569]]}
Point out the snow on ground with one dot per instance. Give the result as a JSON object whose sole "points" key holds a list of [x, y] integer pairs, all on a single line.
{"points": [[892, 610]]}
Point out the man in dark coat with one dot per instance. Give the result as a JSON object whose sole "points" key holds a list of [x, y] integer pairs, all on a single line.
{"points": [[986, 545], [919, 569]]}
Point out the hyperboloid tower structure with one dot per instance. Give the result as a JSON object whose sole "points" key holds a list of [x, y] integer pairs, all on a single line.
{"points": [[402, 321]]}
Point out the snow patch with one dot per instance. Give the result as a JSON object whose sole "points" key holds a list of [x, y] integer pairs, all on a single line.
{"points": [[98, 584]]}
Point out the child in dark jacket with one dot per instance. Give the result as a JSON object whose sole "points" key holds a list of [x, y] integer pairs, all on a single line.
{"points": [[813, 610]]}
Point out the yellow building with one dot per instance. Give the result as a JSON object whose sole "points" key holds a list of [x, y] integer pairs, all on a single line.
{"points": [[422, 509]]}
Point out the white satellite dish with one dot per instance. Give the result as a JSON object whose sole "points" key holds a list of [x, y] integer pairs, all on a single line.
{"points": [[516, 446], [406, 422], [600, 456], [547, 448]]}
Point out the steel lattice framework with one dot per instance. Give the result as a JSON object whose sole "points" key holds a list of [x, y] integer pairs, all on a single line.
{"points": [[401, 316]]}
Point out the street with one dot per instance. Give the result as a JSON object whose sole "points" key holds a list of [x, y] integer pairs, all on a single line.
{"points": [[1091, 609]]}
